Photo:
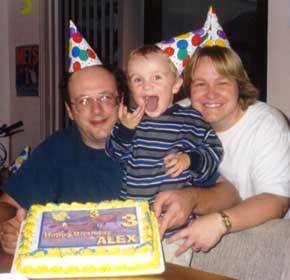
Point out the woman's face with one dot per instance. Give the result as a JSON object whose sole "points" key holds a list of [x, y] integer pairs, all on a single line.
{"points": [[215, 96]]}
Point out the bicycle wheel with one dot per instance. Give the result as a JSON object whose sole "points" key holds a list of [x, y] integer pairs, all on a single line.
{"points": [[3, 155]]}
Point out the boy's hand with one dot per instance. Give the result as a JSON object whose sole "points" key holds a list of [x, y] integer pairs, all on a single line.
{"points": [[175, 164], [130, 120]]}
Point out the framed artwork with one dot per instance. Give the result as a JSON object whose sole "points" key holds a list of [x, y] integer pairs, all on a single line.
{"points": [[27, 69]]}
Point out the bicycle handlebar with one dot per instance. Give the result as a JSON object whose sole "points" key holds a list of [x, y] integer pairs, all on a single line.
{"points": [[10, 130]]}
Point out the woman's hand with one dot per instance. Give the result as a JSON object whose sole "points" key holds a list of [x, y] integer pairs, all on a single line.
{"points": [[201, 235]]}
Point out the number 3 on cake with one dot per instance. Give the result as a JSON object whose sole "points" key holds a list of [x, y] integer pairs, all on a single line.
{"points": [[129, 220]]}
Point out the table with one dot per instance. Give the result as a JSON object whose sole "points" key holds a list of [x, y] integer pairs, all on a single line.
{"points": [[172, 272]]}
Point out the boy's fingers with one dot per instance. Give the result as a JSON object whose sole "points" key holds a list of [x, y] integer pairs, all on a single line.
{"points": [[121, 110], [173, 173], [170, 171], [139, 112], [125, 110], [168, 158], [170, 163]]}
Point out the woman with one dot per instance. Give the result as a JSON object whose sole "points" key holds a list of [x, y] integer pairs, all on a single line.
{"points": [[256, 141]]}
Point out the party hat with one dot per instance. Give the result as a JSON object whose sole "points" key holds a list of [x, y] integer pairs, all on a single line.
{"points": [[181, 48], [80, 53], [23, 156], [214, 35]]}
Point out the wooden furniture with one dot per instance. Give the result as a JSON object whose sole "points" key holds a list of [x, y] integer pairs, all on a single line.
{"points": [[172, 272]]}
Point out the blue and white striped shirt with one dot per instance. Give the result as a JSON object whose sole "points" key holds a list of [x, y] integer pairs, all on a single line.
{"points": [[142, 151]]}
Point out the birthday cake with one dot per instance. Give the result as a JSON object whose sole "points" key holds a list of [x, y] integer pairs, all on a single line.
{"points": [[111, 238]]}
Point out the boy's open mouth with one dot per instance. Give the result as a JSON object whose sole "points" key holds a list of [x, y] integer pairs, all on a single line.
{"points": [[151, 103]]}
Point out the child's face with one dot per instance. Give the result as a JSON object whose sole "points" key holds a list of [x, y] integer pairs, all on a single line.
{"points": [[153, 83]]}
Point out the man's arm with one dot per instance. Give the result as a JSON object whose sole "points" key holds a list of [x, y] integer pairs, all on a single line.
{"points": [[173, 207], [9, 230]]}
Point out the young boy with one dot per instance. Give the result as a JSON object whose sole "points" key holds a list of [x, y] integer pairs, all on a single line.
{"points": [[161, 145]]}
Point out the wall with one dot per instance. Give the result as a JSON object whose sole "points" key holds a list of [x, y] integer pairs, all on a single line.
{"points": [[279, 55], [4, 69], [131, 35], [185, 15], [19, 30]]}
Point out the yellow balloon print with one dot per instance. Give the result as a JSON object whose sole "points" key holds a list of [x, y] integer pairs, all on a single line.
{"points": [[27, 8]]}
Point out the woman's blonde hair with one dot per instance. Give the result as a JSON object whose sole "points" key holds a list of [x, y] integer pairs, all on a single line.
{"points": [[228, 64]]}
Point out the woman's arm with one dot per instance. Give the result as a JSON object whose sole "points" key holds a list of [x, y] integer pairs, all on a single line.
{"points": [[173, 207], [256, 210], [206, 231]]}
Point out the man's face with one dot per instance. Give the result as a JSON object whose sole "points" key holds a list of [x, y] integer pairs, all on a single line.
{"points": [[153, 83], [94, 105]]}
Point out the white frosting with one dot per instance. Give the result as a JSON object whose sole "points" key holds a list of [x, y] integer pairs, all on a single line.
{"points": [[12, 276], [93, 260]]}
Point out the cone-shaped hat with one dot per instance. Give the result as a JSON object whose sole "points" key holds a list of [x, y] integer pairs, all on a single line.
{"points": [[80, 53], [180, 49]]}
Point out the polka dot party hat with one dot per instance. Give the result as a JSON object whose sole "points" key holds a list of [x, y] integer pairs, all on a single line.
{"points": [[80, 53], [214, 34], [181, 48]]}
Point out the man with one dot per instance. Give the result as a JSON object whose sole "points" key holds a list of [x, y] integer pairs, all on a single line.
{"points": [[71, 165]]}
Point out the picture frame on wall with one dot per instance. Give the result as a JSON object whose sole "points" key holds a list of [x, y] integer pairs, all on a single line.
{"points": [[27, 70]]}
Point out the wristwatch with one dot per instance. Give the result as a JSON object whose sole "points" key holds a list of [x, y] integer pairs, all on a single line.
{"points": [[226, 221]]}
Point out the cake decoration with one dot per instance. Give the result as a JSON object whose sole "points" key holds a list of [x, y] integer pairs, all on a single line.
{"points": [[113, 238]]}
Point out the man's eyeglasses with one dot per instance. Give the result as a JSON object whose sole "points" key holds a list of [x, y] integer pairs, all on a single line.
{"points": [[86, 102]]}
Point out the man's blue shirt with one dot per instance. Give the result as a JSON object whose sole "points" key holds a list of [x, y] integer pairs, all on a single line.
{"points": [[64, 169]]}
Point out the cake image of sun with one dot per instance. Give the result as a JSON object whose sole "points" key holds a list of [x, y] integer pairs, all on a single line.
{"points": [[111, 238]]}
